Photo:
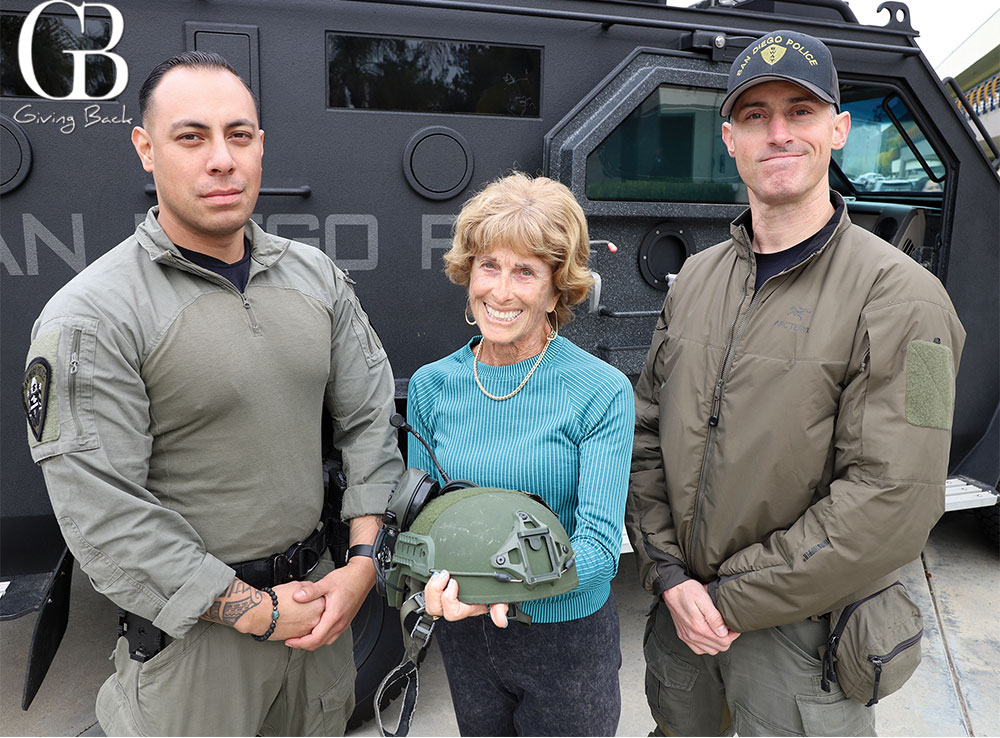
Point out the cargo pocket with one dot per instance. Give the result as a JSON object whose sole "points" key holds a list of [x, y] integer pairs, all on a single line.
{"points": [[114, 710], [166, 680], [670, 681], [337, 702], [747, 723], [834, 714], [668, 670]]}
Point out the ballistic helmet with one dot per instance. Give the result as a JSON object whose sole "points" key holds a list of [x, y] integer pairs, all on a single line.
{"points": [[500, 545]]}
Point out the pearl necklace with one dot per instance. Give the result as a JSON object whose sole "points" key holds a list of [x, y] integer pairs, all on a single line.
{"points": [[475, 369]]}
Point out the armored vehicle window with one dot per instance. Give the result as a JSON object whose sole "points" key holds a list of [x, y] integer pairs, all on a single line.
{"points": [[433, 76], [53, 69], [886, 150], [669, 148]]}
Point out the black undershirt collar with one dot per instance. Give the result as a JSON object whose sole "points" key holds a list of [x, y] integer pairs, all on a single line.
{"points": [[771, 264], [238, 272]]}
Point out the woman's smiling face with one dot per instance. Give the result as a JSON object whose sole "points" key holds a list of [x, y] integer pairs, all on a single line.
{"points": [[511, 293]]}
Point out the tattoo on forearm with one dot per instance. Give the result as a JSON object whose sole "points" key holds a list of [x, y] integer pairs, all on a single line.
{"points": [[232, 604], [233, 610]]}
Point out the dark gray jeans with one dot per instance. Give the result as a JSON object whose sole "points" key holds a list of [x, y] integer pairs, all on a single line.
{"points": [[544, 679]]}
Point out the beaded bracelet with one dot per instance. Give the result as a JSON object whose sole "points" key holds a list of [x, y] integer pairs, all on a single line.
{"points": [[274, 615]]}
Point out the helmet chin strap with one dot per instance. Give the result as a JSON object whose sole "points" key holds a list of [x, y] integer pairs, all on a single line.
{"points": [[418, 629], [416, 638]]}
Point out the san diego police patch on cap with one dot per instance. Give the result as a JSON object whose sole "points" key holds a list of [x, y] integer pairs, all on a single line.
{"points": [[35, 394]]}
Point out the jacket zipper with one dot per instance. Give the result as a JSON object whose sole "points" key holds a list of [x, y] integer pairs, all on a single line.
{"points": [[74, 368], [365, 328], [254, 326], [221, 281], [713, 419], [864, 359], [734, 338]]}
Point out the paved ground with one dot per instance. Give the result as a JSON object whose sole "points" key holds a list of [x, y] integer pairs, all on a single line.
{"points": [[957, 586]]}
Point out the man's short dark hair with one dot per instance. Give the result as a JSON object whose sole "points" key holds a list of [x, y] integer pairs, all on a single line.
{"points": [[191, 60]]}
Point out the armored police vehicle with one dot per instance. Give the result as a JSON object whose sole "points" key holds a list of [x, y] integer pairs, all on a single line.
{"points": [[383, 117]]}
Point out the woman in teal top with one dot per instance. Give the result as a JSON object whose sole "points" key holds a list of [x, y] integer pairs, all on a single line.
{"points": [[520, 407]]}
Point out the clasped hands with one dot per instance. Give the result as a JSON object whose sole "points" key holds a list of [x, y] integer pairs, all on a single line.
{"points": [[313, 614], [698, 622]]}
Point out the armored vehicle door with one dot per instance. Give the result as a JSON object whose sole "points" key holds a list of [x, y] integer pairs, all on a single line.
{"points": [[643, 153]]}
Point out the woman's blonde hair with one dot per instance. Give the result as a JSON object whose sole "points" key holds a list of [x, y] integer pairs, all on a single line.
{"points": [[539, 217]]}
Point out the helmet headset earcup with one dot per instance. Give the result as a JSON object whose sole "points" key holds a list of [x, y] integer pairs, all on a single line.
{"points": [[414, 490]]}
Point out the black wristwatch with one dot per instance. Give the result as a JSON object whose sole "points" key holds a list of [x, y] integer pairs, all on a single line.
{"points": [[361, 549]]}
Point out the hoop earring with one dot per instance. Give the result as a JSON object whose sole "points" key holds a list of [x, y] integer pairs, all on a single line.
{"points": [[469, 318], [554, 324]]}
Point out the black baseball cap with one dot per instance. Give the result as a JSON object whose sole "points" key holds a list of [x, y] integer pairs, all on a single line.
{"points": [[784, 55]]}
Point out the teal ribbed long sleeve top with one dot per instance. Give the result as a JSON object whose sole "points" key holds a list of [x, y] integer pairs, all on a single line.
{"points": [[566, 436]]}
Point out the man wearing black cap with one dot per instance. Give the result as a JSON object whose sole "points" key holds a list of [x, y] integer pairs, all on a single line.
{"points": [[793, 424]]}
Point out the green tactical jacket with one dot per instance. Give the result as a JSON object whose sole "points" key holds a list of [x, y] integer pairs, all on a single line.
{"points": [[791, 444], [182, 423]]}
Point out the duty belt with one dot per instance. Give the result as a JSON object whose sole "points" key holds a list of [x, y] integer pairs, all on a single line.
{"points": [[145, 640], [295, 563]]}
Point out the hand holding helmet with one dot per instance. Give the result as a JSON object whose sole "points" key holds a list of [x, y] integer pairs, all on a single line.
{"points": [[441, 599]]}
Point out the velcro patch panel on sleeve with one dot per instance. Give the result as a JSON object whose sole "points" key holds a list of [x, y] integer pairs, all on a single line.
{"points": [[930, 385]]}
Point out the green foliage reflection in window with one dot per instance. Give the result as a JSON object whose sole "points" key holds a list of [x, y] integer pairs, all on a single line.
{"points": [[669, 149]]}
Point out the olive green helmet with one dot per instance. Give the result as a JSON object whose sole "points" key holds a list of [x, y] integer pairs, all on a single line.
{"points": [[500, 545]]}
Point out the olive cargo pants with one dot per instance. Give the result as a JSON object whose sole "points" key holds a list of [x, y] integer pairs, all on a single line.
{"points": [[767, 683], [216, 681]]}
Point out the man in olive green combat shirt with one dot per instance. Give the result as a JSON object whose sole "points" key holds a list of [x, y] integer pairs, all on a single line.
{"points": [[177, 387]]}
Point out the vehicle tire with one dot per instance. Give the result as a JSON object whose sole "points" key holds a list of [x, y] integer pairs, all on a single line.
{"points": [[378, 648], [989, 521], [378, 635]]}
